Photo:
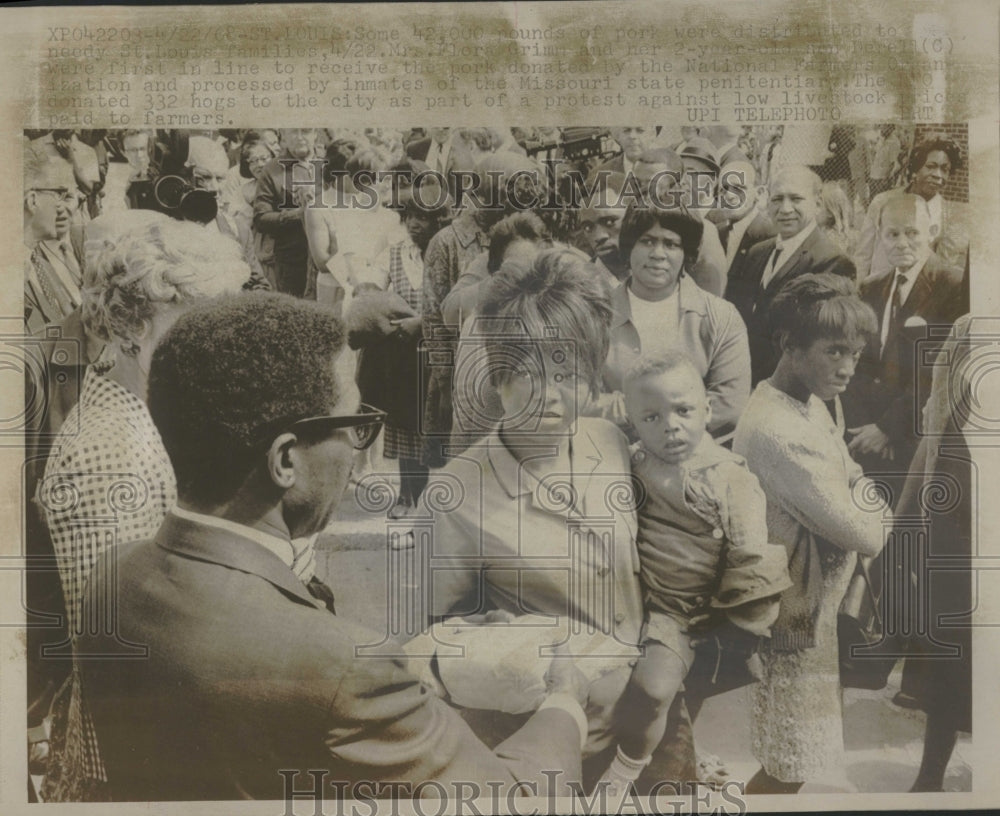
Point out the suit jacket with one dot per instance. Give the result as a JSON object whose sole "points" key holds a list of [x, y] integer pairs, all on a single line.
{"points": [[459, 158], [240, 232], [816, 254], [418, 148], [272, 217], [889, 389], [760, 229], [224, 670]]}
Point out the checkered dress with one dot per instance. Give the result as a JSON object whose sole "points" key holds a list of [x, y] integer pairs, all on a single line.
{"points": [[109, 481], [400, 442]]}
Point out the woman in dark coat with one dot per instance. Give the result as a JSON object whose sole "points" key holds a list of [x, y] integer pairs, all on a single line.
{"points": [[384, 323]]}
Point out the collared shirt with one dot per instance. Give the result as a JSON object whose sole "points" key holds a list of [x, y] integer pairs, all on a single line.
{"points": [[935, 208], [787, 247], [298, 554], [437, 155], [902, 280]]}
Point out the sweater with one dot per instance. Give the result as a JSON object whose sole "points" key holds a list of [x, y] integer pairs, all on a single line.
{"points": [[817, 499]]}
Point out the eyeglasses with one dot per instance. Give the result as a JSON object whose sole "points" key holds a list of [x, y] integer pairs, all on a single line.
{"points": [[363, 426], [66, 196]]}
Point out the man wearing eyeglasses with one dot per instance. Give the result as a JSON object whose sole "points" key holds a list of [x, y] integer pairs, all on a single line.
{"points": [[50, 195], [248, 685]]}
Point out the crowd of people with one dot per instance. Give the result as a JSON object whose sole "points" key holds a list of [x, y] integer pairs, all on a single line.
{"points": [[662, 370]]}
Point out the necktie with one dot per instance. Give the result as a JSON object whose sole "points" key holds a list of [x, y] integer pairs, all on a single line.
{"points": [[724, 231], [69, 258], [321, 592], [894, 306], [769, 273]]}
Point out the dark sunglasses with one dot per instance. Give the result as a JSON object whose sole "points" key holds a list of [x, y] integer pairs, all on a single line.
{"points": [[363, 426]]}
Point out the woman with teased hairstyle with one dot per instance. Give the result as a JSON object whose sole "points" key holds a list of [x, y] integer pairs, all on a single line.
{"points": [[545, 520]]}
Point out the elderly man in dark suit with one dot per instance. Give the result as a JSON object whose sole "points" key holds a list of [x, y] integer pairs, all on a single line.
{"points": [[249, 685], [799, 248], [882, 404]]}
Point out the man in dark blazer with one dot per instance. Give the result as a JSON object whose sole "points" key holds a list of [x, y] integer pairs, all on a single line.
{"points": [[278, 212], [633, 141], [798, 249], [226, 676], [882, 405], [445, 153], [739, 216]]}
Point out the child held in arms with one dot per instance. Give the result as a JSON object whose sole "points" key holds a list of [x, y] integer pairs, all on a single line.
{"points": [[707, 569]]}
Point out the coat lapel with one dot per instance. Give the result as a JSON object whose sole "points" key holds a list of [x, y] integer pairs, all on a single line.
{"points": [[216, 546], [799, 259]]}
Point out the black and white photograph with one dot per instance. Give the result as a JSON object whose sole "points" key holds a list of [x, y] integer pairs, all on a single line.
{"points": [[472, 408]]}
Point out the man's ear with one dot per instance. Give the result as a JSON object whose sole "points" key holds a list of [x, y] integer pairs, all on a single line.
{"points": [[31, 201], [281, 460], [782, 341]]}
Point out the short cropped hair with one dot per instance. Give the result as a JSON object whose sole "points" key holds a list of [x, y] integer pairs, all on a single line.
{"points": [[163, 261], [517, 226], [557, 298], [811, 307], [639, 220], [229, 373], [656, 363]]}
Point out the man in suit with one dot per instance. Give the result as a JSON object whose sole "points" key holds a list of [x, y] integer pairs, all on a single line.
{"points": [[633, 141], [50, 195], [724, 138], [799, 248], [739, 217], [207, 168], [278, 212], [444, 152], [881, 406], [246, 673]]}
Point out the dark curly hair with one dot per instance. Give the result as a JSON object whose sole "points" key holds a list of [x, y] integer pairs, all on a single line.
{"points": [[920, 152], [639, 220], [229, 373]]}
